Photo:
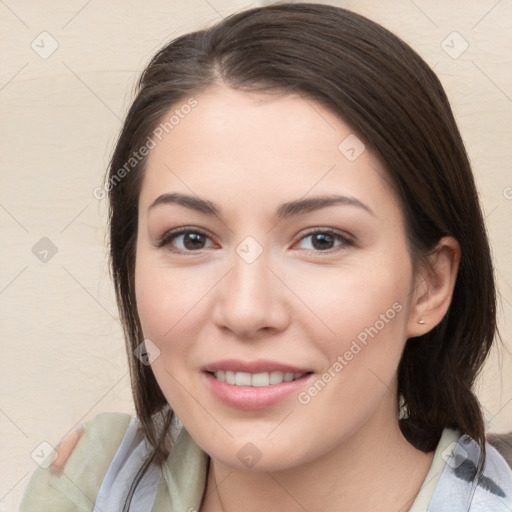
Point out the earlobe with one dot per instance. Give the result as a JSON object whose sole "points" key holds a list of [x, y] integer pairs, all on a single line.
{"points": [[434, 288]]}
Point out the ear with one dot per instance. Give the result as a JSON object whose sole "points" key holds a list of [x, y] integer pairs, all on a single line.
{"points": [[434, 288]]}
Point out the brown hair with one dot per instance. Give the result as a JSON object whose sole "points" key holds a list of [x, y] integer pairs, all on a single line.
{"points": [[397, 106]]}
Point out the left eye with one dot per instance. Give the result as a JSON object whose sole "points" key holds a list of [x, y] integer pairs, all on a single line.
{"points": [[324, 240]]}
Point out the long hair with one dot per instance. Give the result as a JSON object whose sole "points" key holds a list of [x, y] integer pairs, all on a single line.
{"points": [[395, 103]]}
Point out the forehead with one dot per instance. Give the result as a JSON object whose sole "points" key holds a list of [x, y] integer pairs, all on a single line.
{"points": [[234, 145]]}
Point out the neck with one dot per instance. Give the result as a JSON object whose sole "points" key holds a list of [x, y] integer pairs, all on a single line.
{"points": [[376, 468]]}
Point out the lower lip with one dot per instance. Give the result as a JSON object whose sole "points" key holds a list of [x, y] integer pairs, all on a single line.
{"points": [[252, 398]]}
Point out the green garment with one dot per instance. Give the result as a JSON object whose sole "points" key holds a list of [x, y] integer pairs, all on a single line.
{"points": [[183, 479], [76, 488]]}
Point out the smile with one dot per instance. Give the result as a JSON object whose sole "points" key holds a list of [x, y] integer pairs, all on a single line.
{"points": [[255, 391], [256, 379]]}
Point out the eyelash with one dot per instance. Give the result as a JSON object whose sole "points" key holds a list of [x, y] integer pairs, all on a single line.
{"points": [[169, 236]]}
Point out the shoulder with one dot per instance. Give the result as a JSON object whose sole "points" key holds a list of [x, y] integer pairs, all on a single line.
{"points": [[70, 477], [502, 443], [459, 486]]}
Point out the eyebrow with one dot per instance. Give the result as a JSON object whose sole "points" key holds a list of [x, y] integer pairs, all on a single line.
{"points": [[297, 207]]}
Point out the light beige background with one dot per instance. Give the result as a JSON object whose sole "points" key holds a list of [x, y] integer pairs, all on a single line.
{"points": [[63, 358]]}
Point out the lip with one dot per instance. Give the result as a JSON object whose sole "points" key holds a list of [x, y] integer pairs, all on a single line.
{"points": [[253, 398], [259, 366]]}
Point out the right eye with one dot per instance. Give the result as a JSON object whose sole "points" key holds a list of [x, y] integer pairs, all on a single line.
{"points": [[184, 240]]}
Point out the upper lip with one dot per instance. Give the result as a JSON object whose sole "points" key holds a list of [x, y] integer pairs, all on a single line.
{"points": [[260, 366]]}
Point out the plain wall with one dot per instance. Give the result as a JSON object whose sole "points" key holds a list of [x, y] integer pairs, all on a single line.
{"points": [[63, 357]]}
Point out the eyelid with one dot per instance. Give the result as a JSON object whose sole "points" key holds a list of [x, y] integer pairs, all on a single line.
{"points": [[170, 235], [346, 239]]}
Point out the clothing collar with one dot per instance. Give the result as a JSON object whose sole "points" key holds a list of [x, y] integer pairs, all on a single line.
{"points": [[184, 477], [447, 486]]}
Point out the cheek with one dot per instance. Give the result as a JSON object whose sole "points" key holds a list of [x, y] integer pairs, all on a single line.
{"points": [[362, 334], [366, 314], [153, 299], [170, 301], [340, 303]]}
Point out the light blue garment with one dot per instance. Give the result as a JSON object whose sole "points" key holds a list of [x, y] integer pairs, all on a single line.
{"points": [[458, 489], [99, 473]]}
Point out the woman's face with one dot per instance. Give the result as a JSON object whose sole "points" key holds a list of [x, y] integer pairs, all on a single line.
{"points": [[290, 262]]}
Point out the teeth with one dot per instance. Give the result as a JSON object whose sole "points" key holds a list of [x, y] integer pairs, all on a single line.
{"points": [[255, 379], [242, 379]]}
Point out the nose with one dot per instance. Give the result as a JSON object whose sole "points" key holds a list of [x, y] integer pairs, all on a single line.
{"points": [[250, 299]]}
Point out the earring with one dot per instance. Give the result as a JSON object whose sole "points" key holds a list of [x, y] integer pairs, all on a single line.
{"points": [[421, 321]]}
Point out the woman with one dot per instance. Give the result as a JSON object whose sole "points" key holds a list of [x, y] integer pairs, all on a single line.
{"points": [[304, 279]]}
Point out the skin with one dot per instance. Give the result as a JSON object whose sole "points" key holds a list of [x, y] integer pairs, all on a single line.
{"points": [[64, 450], [296, 303]]}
